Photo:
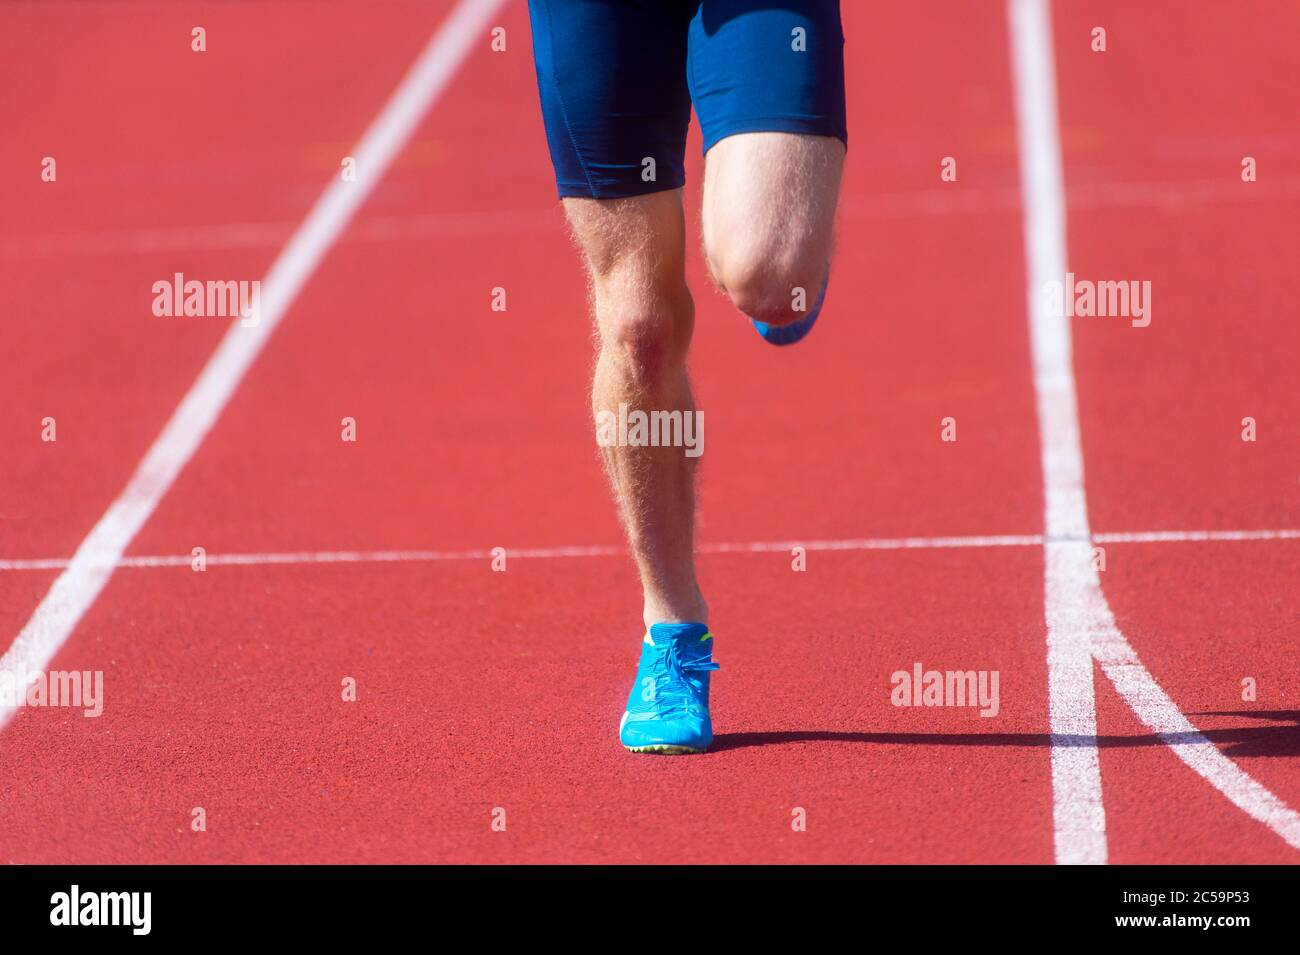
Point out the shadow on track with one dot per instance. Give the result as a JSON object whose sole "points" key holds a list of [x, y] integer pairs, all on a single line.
{"points": [[1247, 741]]}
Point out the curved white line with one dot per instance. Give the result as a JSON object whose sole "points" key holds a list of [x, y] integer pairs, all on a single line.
{"points": [[1080, 624]]}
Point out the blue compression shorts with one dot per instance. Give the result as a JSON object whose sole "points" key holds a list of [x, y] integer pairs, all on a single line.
{"points": [[617, 79]]}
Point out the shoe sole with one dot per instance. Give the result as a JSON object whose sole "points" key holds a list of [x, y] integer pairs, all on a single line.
{"points": [[663, 749]]}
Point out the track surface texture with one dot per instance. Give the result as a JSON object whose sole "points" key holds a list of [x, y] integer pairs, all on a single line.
{"points": [[1148, 696]]}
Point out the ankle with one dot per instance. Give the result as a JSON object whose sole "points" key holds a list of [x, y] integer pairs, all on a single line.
{"points": [[692, 611]]}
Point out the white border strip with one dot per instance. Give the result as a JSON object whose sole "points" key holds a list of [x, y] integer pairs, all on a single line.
{"points": [[90, 568], [606, 550], [1080, 623]]}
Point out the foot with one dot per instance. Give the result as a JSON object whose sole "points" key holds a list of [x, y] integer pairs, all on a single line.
{"points": [[668, 708], [789, 334]]}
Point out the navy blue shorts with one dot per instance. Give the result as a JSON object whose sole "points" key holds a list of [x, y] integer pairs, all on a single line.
{"points": [[617, 79]]}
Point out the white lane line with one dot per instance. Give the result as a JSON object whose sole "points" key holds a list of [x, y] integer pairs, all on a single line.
{"points": [[86, 574], [876, 543], [1080, 623], [1072, 593], [1165, 194], [272, 235], [1155, 537], [1176, 195], [606, 550]]}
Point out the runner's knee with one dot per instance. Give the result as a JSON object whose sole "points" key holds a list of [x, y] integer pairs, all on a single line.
{"points": [[776, 288], [635, 254], [646, 333]]}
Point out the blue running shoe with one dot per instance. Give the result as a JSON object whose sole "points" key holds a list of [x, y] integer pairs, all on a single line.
{"points": [[668, 708], [789, 334]]}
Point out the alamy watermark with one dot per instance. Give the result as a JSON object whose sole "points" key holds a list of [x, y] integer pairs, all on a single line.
{"points": [[76, 689], [635, 428], [920, 687], [77, 907], [1082, 298], [212, 299]]}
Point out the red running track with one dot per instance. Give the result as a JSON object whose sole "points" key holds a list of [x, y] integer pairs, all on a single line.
{"points": [[477, 689]]}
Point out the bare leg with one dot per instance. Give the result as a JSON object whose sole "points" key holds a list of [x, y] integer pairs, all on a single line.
{"points": [[769, 216], [635, 254]]}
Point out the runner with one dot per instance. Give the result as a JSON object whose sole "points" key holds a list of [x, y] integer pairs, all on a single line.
{"points": [[617, 80]]}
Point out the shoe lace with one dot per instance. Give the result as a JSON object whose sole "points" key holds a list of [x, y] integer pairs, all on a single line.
{"points": [[677, 682]]}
